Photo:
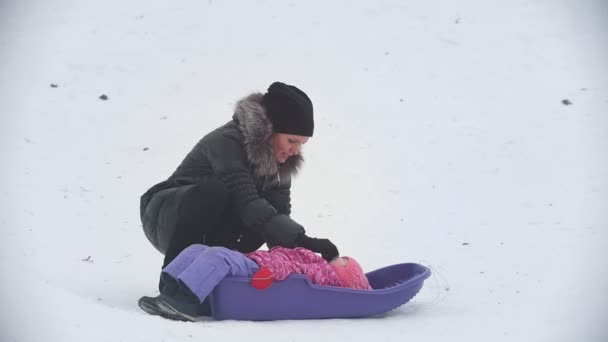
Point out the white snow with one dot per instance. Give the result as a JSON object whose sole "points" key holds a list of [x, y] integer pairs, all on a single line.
{"points": [[441, 138]]}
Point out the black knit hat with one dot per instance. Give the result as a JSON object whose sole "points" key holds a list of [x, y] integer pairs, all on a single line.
{"points": [[289, 110]]}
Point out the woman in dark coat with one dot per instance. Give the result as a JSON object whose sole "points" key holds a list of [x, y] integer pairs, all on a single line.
{"points": [[233, 188]]}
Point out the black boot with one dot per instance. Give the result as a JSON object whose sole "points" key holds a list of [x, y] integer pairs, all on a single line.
{"points": [[167, 285], [181, 305]]}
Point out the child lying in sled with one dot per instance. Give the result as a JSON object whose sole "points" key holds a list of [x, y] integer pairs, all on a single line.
{"points": [[192, 276]]}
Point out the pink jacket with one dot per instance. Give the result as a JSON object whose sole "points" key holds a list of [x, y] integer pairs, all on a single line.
{"points": [[284, 261]]}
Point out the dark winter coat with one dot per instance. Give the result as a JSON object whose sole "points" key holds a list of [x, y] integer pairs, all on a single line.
{"points": [[240, 154]]}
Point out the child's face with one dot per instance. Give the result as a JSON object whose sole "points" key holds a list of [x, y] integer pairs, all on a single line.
{"points": [[350, 273], [339, 262]]}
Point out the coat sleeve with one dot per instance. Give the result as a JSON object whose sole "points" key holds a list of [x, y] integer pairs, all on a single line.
{"points": [[280, 197], [229, 163]]}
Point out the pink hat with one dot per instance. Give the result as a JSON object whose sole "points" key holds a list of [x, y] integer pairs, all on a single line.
{"points": [[350, 273]]}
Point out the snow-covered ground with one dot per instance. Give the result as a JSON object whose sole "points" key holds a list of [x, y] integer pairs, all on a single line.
{"points": [[469, 136]]}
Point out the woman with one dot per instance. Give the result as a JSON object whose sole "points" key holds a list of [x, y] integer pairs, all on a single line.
{"points": [[233, 188]]}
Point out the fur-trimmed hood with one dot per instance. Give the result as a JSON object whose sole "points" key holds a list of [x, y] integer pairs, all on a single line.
{"points": [[256, 127]]}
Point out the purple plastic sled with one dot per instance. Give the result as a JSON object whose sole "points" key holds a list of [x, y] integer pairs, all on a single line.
{"points": [[297, 298]]}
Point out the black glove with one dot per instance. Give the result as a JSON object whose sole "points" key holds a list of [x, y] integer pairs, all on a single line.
{"points": [[328, 250]]}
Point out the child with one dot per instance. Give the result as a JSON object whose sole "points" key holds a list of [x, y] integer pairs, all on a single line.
{"points": [[192, 276]]}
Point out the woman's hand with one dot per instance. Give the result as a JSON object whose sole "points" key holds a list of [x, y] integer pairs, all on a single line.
{"points": [[326, 248]]}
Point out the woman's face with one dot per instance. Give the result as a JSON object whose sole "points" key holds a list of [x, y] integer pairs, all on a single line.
{"points": [[287, 145]]}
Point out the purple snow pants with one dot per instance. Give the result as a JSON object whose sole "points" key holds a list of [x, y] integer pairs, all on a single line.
{"points": [[201, 268]]}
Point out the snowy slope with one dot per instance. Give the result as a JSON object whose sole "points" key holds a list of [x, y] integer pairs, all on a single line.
{"points": [[441, 138]]}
